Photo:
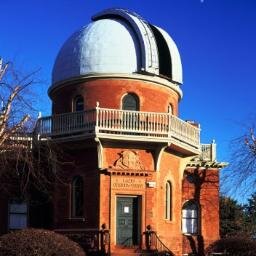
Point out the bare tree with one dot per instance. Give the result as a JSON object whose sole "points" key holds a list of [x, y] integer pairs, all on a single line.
{"points": [[23, 163], [242, 168], [13, 116]]}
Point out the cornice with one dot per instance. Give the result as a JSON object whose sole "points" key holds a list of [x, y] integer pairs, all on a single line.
{"points": [[135, 76]]}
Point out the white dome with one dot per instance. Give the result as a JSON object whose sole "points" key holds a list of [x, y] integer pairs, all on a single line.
{"points": [[104, 46], [118, 41]]}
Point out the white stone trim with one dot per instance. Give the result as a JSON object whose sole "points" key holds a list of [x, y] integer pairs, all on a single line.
{"points": [[135, 76]]}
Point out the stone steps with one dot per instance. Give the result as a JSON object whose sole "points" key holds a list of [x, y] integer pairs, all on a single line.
{"points": [[133, 254]]}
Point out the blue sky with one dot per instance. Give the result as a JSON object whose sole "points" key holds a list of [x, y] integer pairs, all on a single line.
{"points": [[216, 39]]}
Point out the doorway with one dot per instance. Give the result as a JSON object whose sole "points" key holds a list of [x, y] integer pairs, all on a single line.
{"points": [[128, 212]]}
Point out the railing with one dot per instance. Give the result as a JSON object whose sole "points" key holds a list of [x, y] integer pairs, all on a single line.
{"points": [[66, 123], [208, 152], [93, 241], [17, 141], [153, 242], [122, 122], [128, 242], [146, 123]]}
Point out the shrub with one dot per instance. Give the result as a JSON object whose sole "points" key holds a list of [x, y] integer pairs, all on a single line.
{"points": [[235, 246], [38, 242]]}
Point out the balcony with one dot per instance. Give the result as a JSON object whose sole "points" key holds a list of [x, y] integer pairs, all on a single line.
{"points": [[125, 125], [207, 158]]}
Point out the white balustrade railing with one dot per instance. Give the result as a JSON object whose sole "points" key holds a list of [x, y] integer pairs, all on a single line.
{"points": [[67, 123], [208, 152], [123, 122], [134, 122]]}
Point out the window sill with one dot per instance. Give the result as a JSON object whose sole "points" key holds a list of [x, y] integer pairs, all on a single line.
{"points": [[189, 234], [76, 219], [168, 221]]}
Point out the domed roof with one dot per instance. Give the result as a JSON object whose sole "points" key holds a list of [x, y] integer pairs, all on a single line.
{"points": [[118, 41]]}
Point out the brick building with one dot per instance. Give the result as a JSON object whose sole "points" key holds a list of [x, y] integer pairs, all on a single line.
{"points": [[133, 165]]}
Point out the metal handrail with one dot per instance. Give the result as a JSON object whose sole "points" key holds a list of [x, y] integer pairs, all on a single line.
{"points": [[127, 242], [162, 246], [154, 243], [92, 240]]}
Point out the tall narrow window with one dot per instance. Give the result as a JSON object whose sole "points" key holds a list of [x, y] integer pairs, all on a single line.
{"points": [[170, 109], [190, 218], [78, 103], [168, 200], [18, 215], [130, 102], [77, 197]]}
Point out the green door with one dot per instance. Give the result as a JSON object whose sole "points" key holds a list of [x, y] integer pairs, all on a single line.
{"points": [[127, 223]]}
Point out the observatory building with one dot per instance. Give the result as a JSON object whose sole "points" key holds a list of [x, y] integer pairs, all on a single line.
{"points": [[136, 175]]}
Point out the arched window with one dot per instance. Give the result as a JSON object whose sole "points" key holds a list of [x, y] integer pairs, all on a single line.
{"points": [[78, 103], [168, 200], [190, 217], [170, 109], [77, 197], [130, 102]]}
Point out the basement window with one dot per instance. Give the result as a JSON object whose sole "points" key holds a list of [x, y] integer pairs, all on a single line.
{"points": [[18, 215]]}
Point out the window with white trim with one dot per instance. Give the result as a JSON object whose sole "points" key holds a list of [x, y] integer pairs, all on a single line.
{"points": [[190, 217], [18, 215]]}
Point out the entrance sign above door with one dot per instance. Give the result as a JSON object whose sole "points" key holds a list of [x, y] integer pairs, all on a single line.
{"points": [[128, 183]]}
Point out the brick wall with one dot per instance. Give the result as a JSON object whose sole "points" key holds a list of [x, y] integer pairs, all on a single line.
{"points": [[109, 93], [206, 193], [81, 162]]}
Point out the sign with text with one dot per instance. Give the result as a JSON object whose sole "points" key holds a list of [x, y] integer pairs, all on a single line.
{"points": [[127, 183]]}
